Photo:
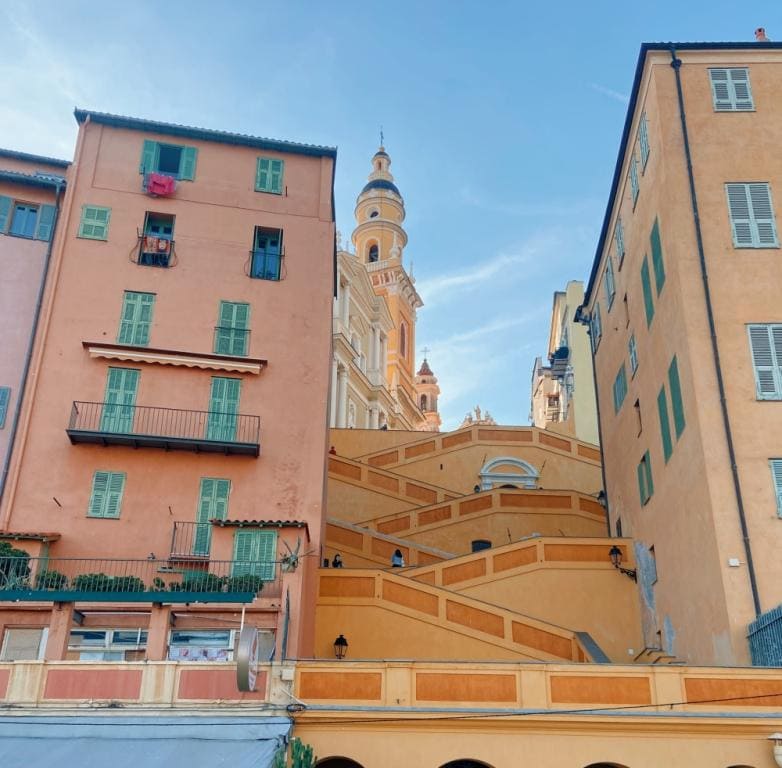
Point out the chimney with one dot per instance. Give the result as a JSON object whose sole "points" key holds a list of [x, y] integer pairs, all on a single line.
{"points": [[760, 35]]}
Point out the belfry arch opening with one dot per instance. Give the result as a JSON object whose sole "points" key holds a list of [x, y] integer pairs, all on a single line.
{"points": [[373, 254]]}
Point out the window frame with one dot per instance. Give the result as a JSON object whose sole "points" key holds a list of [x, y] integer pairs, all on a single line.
{"points": [[775, 366], [596, 327], [227, 333], [30, 208], [267, 255], [632, 352], [775, 465], [270, 188], [751, 221], [645, 480], [731, 104], [103, 512], [135, 331], [619, 241], [609, 283], [620, 388], [643, 141], [5, 401], [635, 185], [84, 222]]}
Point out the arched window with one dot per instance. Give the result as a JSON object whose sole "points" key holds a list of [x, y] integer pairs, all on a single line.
{"points": [[374, 214], [605, 765], [423, 402], [338, 762], [373, 253], [403, 340], [508, 471], [465, 764]]}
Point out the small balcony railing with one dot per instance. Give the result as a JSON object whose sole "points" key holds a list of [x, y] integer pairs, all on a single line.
{"points": [[265, 264], [154, 251], [169, 428], [231, 341], [190, 540], [135, 581]]}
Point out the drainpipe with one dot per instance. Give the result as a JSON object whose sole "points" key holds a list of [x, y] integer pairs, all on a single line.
{"points": [[30, 345], [676, 64], [584, 319]]}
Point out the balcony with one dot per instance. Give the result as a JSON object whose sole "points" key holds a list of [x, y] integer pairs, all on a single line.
{"points": [[133, 581], [560, 360], [156, 251], [190, 541], [168, 428]]}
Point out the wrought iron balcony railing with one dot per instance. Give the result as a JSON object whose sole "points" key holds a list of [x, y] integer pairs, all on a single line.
{"points": [[190, 540], [169, 428], [154, 251], [136, 581]]}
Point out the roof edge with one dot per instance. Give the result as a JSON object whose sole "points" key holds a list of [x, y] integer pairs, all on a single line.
{"points": [[204, 134], [16, 154], [639, 69], [29, 179]]}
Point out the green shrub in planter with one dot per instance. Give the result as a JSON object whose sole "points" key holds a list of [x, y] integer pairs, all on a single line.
{"points": [[51, 580], [199, 582], [246, 583], [92, 582], [127, 584], [14, 566]]}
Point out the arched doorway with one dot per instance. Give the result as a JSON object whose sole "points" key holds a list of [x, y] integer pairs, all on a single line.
{"points": [[508, 471], [465, 764], [337, 762], [605, 765]]}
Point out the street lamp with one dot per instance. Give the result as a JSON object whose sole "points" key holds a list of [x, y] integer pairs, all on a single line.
{"points": [[616, 560], [340, 647]]}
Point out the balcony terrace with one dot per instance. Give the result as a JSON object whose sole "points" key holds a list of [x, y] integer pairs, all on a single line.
{"points": [[168, 428], [134, 581]]}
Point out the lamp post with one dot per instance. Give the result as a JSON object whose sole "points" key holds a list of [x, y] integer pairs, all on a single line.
{"points": [[340, 647], [616, 560]]}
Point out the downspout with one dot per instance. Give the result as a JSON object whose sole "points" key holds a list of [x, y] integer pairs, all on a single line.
{"points": [[676, 64], [30, 344], [584, 320]]}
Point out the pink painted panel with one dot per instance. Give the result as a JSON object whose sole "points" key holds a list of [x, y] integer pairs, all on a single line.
{"points": [[93, 684], [217, 684]]}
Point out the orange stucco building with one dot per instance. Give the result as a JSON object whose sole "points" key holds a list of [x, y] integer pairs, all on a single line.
{"points": [[188, 306], [683, 301]]}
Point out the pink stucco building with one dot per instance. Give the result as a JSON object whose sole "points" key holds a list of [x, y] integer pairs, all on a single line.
{"points": [[171, 446]]}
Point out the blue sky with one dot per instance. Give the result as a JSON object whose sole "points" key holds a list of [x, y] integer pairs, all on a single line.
{"points": [[502, 120]]}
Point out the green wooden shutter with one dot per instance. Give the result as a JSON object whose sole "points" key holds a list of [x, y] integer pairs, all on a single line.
{"points": [[94, 224], [5, 397], [741, 92], [149, 156], [610, 283], [263, 174], [266, 550], [645, 483], [231, 336], [223, 409], [643, 140], [212, 504], [620, 388], [634, 188], [657, 257], [641, 482], [117, 414], [276, 176], [45, 223], [633, 352], [187, 163], [114, 494], [665, 427], [106, 496], [136, 318], [5, 213], [776, 475], [649, 481], [765, 228], [243, 553], [646, 284], [619, 241], [100, 485], [676, 397]]}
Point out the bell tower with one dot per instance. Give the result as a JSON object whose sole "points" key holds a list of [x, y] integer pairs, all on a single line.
{"points": [[427, 392], [379, 240]]}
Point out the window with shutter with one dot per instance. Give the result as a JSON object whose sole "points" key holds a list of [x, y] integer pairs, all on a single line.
{"points": [[24, 220], [676, 397], [620, 388], [752, 215], [5, 399], [633, 352], [657, 257], [212, 505], [255, 554], [765, 343], [136, 318], [119, 402], [45, 223], [646, 284], [619, 241], [106, 496], [170, 159], [730, 89], [223, 409], [643, 140], [269, 175], [634, 188], [610, 284], [232, 333], [645, 484], [597, 327], [665, 426], [94, 224], [776, 476], [5, 212]]}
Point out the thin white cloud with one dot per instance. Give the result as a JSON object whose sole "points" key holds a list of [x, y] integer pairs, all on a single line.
{"points": [[560, 209], [612, 94]]}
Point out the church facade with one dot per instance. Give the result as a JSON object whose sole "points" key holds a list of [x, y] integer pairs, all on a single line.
{"points": [[374, 381]]}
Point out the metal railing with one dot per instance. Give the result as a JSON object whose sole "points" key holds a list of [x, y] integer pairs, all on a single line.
{"points": [[190, 540], [765, 639], [265, 265], [107, 580], [231, 341], [154, 251], [170, 428]]}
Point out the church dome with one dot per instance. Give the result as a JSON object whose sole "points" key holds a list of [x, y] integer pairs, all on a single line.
{"points": [[381, 184]]}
